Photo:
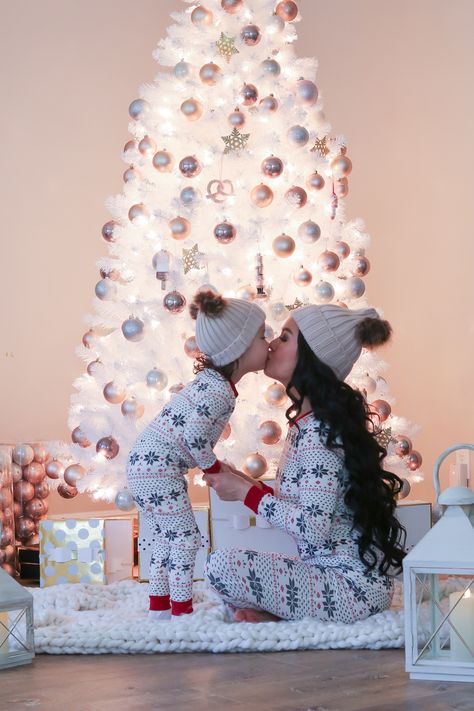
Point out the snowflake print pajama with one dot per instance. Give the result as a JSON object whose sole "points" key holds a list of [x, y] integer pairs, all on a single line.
{"points": [[327, 580], [181, 437]]}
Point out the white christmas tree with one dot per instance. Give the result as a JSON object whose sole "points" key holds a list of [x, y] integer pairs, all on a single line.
{"points": [[234, 182]]}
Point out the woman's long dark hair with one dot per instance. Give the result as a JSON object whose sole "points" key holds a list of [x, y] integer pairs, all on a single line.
{"points": [[371, 492]]}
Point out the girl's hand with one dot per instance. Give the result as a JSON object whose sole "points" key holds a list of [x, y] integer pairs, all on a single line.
{"points": [[228, 485]]}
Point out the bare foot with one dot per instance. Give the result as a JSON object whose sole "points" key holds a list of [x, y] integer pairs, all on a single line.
{"points": [[248, 614]]}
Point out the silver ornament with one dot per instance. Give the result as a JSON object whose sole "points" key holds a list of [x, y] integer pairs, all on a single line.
{"points": [[163, 161], [324, 292], [174, 302], [124, 500], [147, 146], [269, 103], [298, 135], [131, 175], [89, 338], [271, 67], [278, 311], [156, 379], [315, 181], [189, 195], [138, 214], [95, 367], [342, 249], [275, 24], [182, 69], [131, 408], [249, 94], [114, 393], [133, 329], [306, 92], [237, 118], [180, 228], [105, 289], [283, 246], [138, 108], [355, 287], [231, 6], [108, 231], [191, 109], [309, 232]]}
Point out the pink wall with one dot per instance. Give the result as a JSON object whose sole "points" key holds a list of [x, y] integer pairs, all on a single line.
{"points": [[397, 82]]}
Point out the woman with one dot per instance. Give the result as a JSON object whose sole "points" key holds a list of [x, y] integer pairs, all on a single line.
{"points": [[332, 494]]}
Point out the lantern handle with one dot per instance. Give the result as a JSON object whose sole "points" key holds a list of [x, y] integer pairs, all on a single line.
{"points": [[441, 459]]}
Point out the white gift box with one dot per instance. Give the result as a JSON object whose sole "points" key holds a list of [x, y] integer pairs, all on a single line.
{"points": [[234, 525], [145, 545]]}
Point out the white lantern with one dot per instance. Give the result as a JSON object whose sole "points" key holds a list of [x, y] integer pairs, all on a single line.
{"points": [[438, 578], [16, 623]]}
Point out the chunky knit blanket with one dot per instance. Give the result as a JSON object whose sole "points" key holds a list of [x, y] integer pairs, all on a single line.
{"points": [[112, 619]]}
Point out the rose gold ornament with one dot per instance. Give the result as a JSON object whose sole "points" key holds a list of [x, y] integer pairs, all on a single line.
{"points": [[78, 437], [261, 195], [156, 379], [108, 230], [114, 393], [6, 498], [287, 10], [131, 408], [341, 166], [25, 527], [381, 408], [34, 473], [23, 491], [269, 432], [6, 536], [270, 67], [23, 454], [174, 302], [341, 187], [283, 246], [107, 446], [237, 118], [54, 469], [33, 540], [296, 196], [249, 94], [201, 16], [328, 261], [147, 146], [226, 432], [360, 266], [163, 161], [272, 167], [41, 455], [17, 472], [315, 181], [66, 491], [219, 190], [180, 228], [250, 35], [191, 348], [36, 508], [269, 103], [88, 339], [342, 249], [309, 232], [275, 395], [139, 214], [405, 490], [131, 175], [190, 166], [42, 489], [209, 74], [231, 6], [414, 460], [247, 292], [9, 550], [403, 446], [74, 473], [225, 232], [355, 287], [302, 277], [131, 145], [306, 92], [191, 109], [255, 465]]}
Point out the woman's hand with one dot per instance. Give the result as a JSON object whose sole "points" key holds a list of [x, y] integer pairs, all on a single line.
{"points": [[228, 485]]}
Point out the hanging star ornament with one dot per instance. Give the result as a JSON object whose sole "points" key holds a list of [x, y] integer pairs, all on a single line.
{"points": [[384, 437], [295, 305], [191, 258], [321, 147], [235, 141], [226, 46]]}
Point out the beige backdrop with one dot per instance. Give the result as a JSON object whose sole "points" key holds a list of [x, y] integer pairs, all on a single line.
{"points": [[397, 82]]}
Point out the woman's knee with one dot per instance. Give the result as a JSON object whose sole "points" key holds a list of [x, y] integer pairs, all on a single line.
{"points": [[216, 570]]}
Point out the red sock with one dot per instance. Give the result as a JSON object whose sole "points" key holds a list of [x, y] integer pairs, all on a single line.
{"points": [[159, 602], [181, 608]]}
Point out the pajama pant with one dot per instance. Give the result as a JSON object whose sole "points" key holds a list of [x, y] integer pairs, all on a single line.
{"points": [[292, 589], [161, 497]]}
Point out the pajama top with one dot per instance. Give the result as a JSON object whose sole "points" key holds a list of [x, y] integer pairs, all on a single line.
{"points": [[189, 426]]}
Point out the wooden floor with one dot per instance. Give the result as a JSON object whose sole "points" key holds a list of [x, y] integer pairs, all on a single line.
{"points": [[284, 681]]}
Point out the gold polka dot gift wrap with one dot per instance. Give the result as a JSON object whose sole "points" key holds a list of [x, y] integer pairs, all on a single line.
{"points": [[72, 551]]}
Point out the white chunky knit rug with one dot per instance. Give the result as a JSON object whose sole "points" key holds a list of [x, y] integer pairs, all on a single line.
{"points": [[112, 619]]}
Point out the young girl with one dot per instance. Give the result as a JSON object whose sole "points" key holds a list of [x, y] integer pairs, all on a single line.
{"points": [[332, 494], [230, 335]]}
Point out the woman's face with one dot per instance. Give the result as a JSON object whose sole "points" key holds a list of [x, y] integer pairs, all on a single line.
{"points": [[283, 353]]}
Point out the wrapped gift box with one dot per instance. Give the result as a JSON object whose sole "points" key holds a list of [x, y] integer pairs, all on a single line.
{"points": [[86, 550], [201, 514], [234, 525]]}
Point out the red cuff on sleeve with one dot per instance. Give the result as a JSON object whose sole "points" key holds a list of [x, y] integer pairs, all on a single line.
{"points": [[254, 496], [214, 469], [266, 488]]}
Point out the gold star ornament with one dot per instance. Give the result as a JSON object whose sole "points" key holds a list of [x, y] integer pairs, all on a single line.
{"points": [[226, 46], [384, 437], [191, 259], [297, 303], [321, 147], [235, 141]]}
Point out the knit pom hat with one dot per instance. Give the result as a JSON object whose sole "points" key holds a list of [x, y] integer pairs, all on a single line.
{"points": [[336, 335], [225, 328]]}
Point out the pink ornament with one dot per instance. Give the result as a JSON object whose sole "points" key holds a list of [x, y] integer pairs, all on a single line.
{"points": [[269, 432], [328, 261], [66, 491], [73, 474], [34, 473], [107, 446], [41, 455], [403, 446], [36, 508], [296, 196], [25, 527], [287, 10], [255, 465], [23, 454], [42, 489], [23, 491], [414, 460], [54, 469], [381, 408], [78, 437]]}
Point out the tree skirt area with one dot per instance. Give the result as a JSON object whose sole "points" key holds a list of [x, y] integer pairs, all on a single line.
{"points": [[112, 619]]}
